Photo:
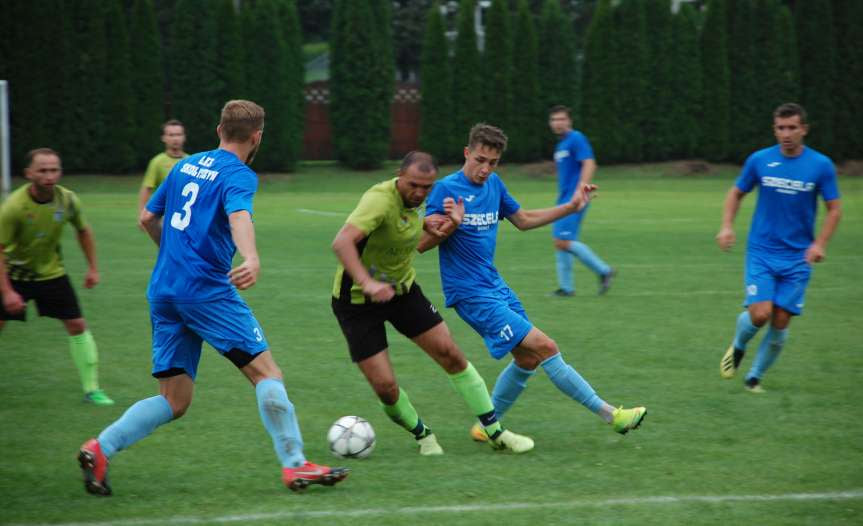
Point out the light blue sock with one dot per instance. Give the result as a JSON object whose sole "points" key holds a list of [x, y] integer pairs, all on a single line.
{"points": [[768, 351], [745, 330], [564, 270], [567, 379], [589, 258], [511, 382], [136, 423], [278, 416]]}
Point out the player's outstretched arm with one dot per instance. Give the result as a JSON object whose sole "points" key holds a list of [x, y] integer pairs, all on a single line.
{"points": [[528, 219], [345, 247], [12, 301], [151, 224], [818, 249], [88, 246], [725, 238], [143, 196], [243, 234]]}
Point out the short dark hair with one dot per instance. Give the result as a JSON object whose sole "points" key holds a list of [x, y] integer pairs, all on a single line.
{"points": [[39, 151], [790, 109], [487, 135], [425, 162], [172, 122], [560, 109]]}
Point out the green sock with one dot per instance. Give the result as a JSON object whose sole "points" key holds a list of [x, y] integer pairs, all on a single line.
{"points": [[404, 414], [471, 387], [86, 358]]}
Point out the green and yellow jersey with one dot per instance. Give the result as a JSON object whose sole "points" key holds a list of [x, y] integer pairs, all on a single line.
{"points": [[392, 233], [159, 168], [30, 233]]}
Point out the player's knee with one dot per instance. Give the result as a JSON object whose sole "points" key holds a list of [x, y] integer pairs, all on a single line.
{"points": [[759, 316], [453, 360], [547, 348], [76, 326], [387, 391], [179, 407], [561, 244]]}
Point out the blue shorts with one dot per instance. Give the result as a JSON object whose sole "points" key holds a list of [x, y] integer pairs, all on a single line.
{"points": [[180, 328], [781, 281], [500, 320], [567, 228]]}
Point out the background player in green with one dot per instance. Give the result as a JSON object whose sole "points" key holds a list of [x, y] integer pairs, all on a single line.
{"points": [[174, 137], [31, 265], [375, 282]]}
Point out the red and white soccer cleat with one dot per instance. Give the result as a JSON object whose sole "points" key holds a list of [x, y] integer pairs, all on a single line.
{"points": [[301, 477], [94, 466]]}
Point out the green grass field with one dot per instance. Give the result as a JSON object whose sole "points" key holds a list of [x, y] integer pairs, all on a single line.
{"points": [[708, 453]]}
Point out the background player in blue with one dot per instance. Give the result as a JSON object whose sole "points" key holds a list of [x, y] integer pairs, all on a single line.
{"points": [[207, 204], [575, 167], [473, 286], [782, 245]]}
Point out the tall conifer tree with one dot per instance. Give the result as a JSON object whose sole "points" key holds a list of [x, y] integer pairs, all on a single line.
{"points": [[743, 61], [558, 73], [526, 114], [436, 87], [686, 85], [118, 153], [467, 78], [295, 102], [630, 27], [659, 129], [232, 53], [148, 81], [497, 66], [194, 66], [716, 83], [816, 46], [848, 15], [599, 102]]}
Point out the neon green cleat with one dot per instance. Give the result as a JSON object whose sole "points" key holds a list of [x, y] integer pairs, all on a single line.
{"points": [[97, 397], [477, 433], [625, 419], [730, 362], [513, 442], [429, 446]]}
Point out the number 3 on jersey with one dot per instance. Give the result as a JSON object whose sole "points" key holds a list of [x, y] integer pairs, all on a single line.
{"points": [[180, 222]]}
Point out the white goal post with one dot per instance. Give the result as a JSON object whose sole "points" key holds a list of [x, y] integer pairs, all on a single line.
{"points": [[5, 166]]}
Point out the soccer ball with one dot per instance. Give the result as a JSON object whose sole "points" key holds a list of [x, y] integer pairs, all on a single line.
{"points": [[351, 437]]}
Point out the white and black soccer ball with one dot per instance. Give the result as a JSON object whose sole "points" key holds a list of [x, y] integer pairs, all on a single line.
{"points": [[351, 437]]}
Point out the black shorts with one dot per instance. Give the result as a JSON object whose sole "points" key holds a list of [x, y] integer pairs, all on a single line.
{"points": [[54, 298], [363, 324]]}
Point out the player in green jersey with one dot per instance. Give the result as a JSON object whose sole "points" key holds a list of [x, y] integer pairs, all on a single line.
{"points": [[375, 282], [174, 137], [31, 266]]}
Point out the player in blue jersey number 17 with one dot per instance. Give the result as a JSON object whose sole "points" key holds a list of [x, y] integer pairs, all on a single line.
{"points": [[480, 296], [782, 246], [207, 205]]}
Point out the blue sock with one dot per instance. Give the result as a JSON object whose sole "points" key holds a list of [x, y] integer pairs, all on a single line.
{"points": [[768, 351], [278, 416], [745, 330], [564, 270], [511, 382], [136, 423], [565, 378], [589, 258]]}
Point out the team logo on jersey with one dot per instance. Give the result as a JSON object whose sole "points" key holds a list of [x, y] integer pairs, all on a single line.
{"points": [[58, 215], [752, 290], [774, 164], [561, 155], [469, 198], [787, 186]]}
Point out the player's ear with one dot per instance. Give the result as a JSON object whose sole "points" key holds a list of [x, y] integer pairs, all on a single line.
{"points": [[466, 152], [219, 131]]}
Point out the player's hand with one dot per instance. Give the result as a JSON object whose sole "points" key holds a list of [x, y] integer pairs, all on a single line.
{"points": [[245, 275], [378, 291], [454, 209], [815, 253], [13, 303], [725, 238], [435, 224], [91, 279], [582, 196]]}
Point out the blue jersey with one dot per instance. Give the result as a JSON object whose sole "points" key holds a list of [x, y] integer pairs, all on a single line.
{"points": [[467, 256], [196, 247], [784, 220], [569, 154]]}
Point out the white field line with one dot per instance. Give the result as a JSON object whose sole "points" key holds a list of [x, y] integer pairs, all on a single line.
{"points": [[321, 212], [471, 508]]}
